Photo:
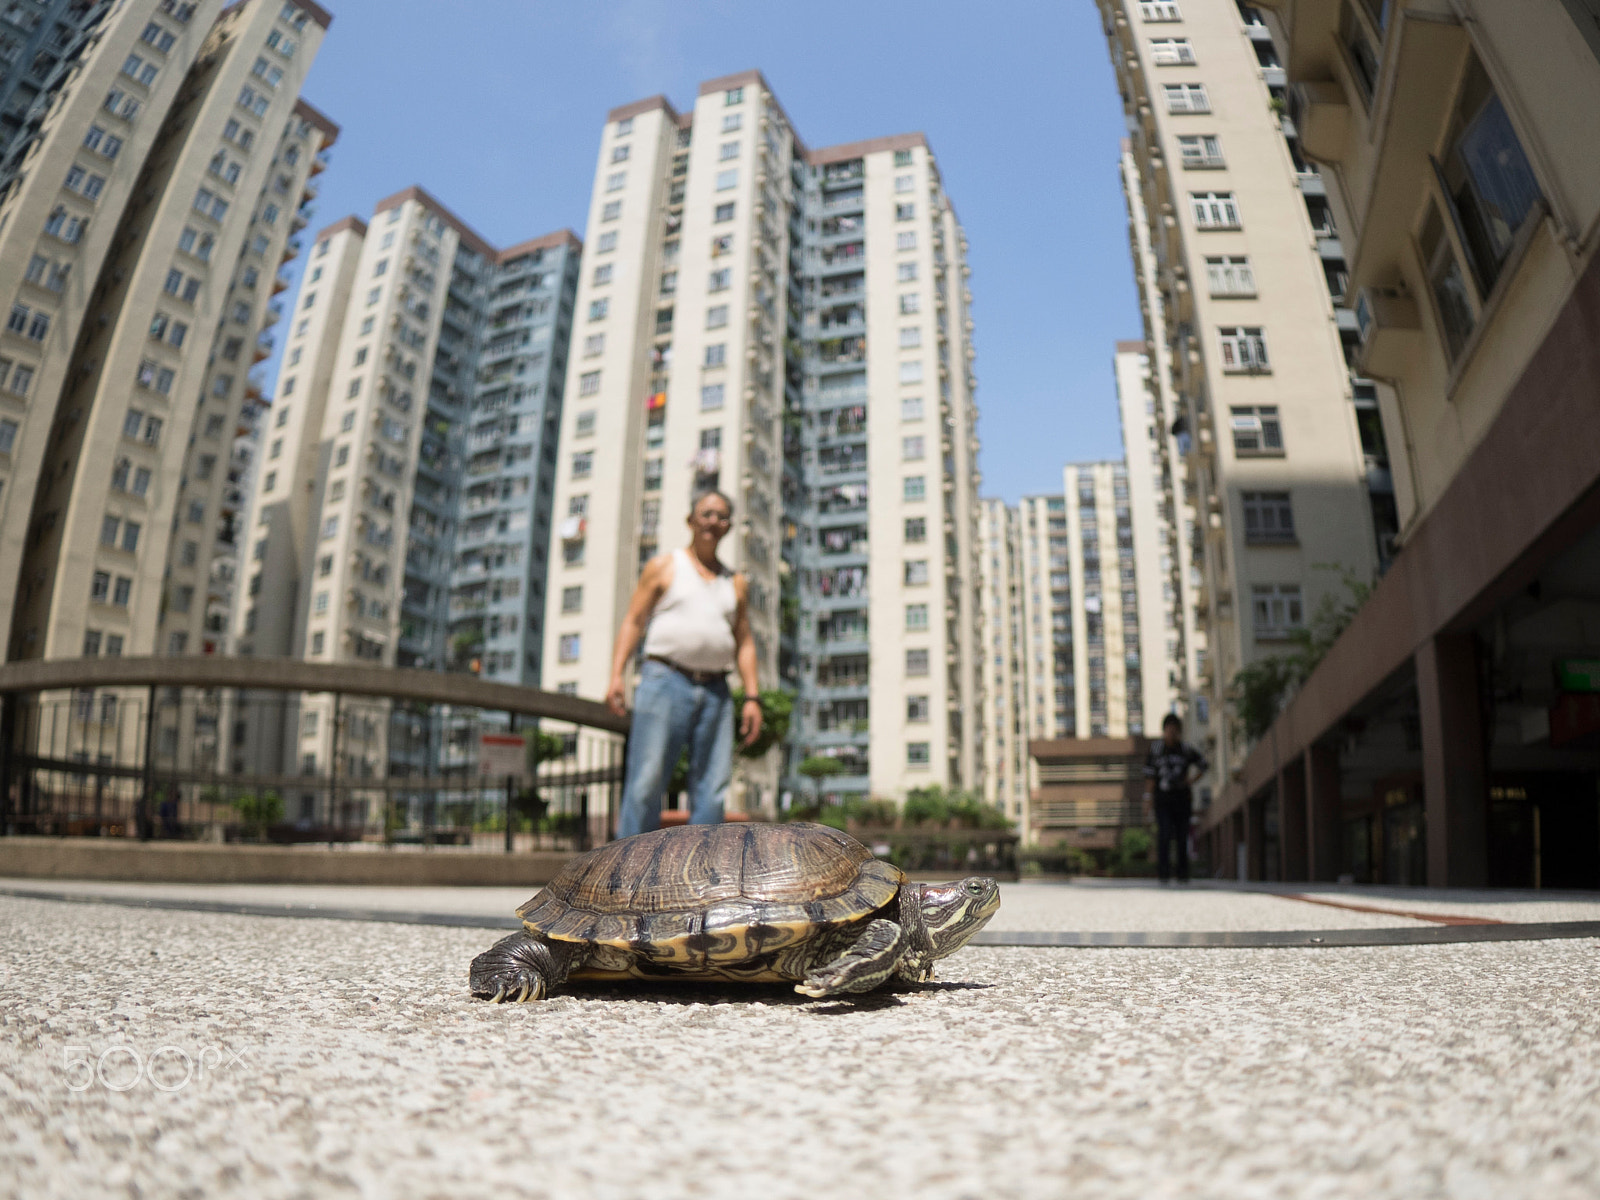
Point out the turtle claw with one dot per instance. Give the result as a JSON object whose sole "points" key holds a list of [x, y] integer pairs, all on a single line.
{"points": [[495, 999], [522, 997]]}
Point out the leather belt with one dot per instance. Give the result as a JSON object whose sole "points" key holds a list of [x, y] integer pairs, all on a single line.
{"points": [[700, 677]]}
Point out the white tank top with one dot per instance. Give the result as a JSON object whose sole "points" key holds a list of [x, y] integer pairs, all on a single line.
{"points": [[692, 624]]}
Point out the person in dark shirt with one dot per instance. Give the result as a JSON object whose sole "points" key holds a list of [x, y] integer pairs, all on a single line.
{"points": [[1172, 767]]}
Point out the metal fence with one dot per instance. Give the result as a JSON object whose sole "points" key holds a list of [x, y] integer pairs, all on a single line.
{"points": [[280, 751]]}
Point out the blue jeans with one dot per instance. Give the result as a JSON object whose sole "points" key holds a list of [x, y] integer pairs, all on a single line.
{"points": [[671, 711]]}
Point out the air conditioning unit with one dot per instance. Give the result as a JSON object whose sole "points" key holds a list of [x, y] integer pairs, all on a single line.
{"points": [[1390, 330]]}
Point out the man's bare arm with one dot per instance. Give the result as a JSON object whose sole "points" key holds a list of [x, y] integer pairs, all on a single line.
{"points": [[653, 581], [745, 656]]}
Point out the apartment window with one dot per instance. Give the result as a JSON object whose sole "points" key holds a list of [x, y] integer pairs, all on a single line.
{"points": [[572, 553], [1256, 429], [624, 126], [914, 487], [582, 464], [732, 122], [594, 345], [911, 408], [347, 422], [733, 96], [652, 474], [906, 240], [913, 449], [1487, 174], [21, 379], [902, 158], [917, 754], [1243, 349], [669, 283], [1200, 152], [100, 587], [608, 242], [1268, 517], [141, 482], [113, 645], [916, 529], [917, 709], [1163, 10], [720, 280], [330, 528], [1277, 608], [325, 566], [91, 643], [1446, 280], [1230, 276], [611, 211], [917, 662], [598, 309], [711, 397], [728, 151], [602, 274], [717, 316], [8, 436], [319, 603], [572, 599], [569, 647], [589, 383], [916, 572], [916, 617], [723, 212], [728, 180], [910, 302], [1171, 52], [619, 154], [911, 337], [664, 320], [1214, 210], [122, 591], [341, 456], [1186, 98], [130, 536], [905, 212], [911, 372], [318, 640], [616, 181]]}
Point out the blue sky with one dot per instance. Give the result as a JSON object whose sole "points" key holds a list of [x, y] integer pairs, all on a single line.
{"points": [[495, 106]]}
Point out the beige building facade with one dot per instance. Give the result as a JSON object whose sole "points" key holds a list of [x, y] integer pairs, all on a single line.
{"points": [[157, 282], [1249, 266], [1451, 736], [1001, 655]]}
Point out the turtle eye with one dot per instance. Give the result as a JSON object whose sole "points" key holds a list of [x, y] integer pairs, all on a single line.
{"points": [[975, 887]]}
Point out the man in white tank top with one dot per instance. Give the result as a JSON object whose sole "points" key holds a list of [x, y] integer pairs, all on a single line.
{"points": [[691, 610]]}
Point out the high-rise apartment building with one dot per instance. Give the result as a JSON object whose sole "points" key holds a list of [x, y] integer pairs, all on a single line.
{"points": [[403, 511], [722, 341], [1000, 655], [1155, 489], [153, 188], [1092, 659], [1248, 265], [1450, 735]]}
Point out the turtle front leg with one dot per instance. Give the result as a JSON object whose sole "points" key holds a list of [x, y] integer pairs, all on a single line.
{"points": [[522, 967], [870, 960]]}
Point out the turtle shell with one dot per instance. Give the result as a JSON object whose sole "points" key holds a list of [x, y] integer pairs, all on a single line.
{"points": [[699, 895]]}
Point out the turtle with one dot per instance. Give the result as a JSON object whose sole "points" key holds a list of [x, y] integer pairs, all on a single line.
{"points": [[751, 902]]}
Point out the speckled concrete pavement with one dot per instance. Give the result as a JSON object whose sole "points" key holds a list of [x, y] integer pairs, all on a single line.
{"points": [[288, 1057]]}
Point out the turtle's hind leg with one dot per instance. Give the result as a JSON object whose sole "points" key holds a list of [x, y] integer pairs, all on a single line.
{"points": [[866, 963], [522, 967]]}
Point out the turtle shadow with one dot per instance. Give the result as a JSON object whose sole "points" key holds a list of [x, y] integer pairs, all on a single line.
{"points": [[771, 994]]}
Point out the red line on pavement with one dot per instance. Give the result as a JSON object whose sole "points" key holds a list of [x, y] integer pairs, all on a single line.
{"points": [[1435, 918]]}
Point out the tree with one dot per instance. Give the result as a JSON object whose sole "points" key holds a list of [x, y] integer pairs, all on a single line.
{"points": [[819, 767]]}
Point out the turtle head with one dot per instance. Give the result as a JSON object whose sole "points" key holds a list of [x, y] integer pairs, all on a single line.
{"points": [[953, 912]]}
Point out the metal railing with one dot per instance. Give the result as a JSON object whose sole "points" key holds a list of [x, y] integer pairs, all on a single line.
{"points": [[277, 750]]}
